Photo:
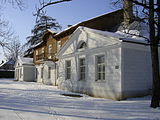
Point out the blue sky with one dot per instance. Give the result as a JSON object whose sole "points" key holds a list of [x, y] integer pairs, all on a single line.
{"points": [[66, 13]]}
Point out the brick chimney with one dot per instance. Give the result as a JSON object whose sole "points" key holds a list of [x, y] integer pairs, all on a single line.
{"points": [[128, 12]]}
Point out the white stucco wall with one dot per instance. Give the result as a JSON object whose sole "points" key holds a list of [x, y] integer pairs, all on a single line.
{"points": [[49, 81], [110, 88], [137, 70], [29, 73], [21, 75], [38, 72], [127, 72], [24, 69], [96, 45]]}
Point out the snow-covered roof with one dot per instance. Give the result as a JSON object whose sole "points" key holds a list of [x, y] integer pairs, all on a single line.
{"points": [[136, 28], [33, 46], [130, 35], [25, 60], [49, 30], [10, 62], [119, 35]]}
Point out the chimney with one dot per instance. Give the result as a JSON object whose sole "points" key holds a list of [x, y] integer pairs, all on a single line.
{"points": [[69, 26], [128, 12]]}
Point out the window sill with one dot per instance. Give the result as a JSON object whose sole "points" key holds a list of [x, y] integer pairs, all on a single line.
{"points": [[80, 50], [82, 80], [98, 81]]}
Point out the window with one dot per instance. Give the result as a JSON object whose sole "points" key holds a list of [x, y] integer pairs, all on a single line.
{"points": [[36, 73], [100, 68], [20, 72], [41, 72], [82, 45], [68, 70], [58, 45], [16, 73], [36, 54], [82, 69], [42, 53], [57, 71], [49, 51], [49, 72]]}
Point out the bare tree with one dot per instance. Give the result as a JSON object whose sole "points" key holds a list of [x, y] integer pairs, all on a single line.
{"points": [[15, 3], [151, 10], [6, 32], [13, 49]]}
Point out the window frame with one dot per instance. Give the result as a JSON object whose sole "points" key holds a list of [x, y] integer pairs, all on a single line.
{"points": [[20, 72], [43, 53], [42, 73], [49, 50], [36, 75], [67, 70], [82, 74], [82, 45], [100, 70], [49, 72]]}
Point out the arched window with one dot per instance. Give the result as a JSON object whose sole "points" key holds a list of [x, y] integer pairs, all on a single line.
{"points": [[82, 44]]}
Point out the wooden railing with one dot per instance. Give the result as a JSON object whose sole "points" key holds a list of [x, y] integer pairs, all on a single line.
{"points": [[45, 57]]}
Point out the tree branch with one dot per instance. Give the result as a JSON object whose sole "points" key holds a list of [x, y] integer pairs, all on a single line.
{"points": [[44, 4], [145, 5]]}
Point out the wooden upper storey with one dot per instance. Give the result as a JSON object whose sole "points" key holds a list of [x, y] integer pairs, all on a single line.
{"points": [[46, 49], [51, 42]]}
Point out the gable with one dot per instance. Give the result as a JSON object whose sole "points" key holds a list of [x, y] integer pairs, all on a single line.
{"points": [[18, 63], [91, 38], [73, 42]]}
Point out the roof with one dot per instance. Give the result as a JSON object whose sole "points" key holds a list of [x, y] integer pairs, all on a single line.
{"points": [[48, 31], [9, 62], [98, 22], [138, 28], [122, 36], [113, 19], [25, 60]]}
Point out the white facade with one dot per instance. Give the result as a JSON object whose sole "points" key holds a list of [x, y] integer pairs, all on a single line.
{"points": [[46, 73], [125, 71], [136, 70], [25, 69]]}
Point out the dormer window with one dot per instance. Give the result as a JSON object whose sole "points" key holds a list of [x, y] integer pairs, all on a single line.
{"points": [[82, 45]]}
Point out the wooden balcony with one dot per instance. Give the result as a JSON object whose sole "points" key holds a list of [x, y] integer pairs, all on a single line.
{"points": [[46, 57]]}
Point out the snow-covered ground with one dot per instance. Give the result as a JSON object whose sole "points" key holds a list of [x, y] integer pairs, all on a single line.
{"points": [[34, 101]]}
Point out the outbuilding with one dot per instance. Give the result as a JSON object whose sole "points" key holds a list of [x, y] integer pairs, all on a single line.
{"points": [[25, 69]]}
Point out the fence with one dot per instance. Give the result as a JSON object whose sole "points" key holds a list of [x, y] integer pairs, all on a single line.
{"points": [[6, 74]]}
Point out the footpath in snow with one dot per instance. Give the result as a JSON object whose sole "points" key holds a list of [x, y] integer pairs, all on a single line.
{"points": [[34, 101]]}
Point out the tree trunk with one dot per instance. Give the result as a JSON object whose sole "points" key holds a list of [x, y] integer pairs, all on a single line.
{"points": [[155, 61], [128, 12], [156, 83]]}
